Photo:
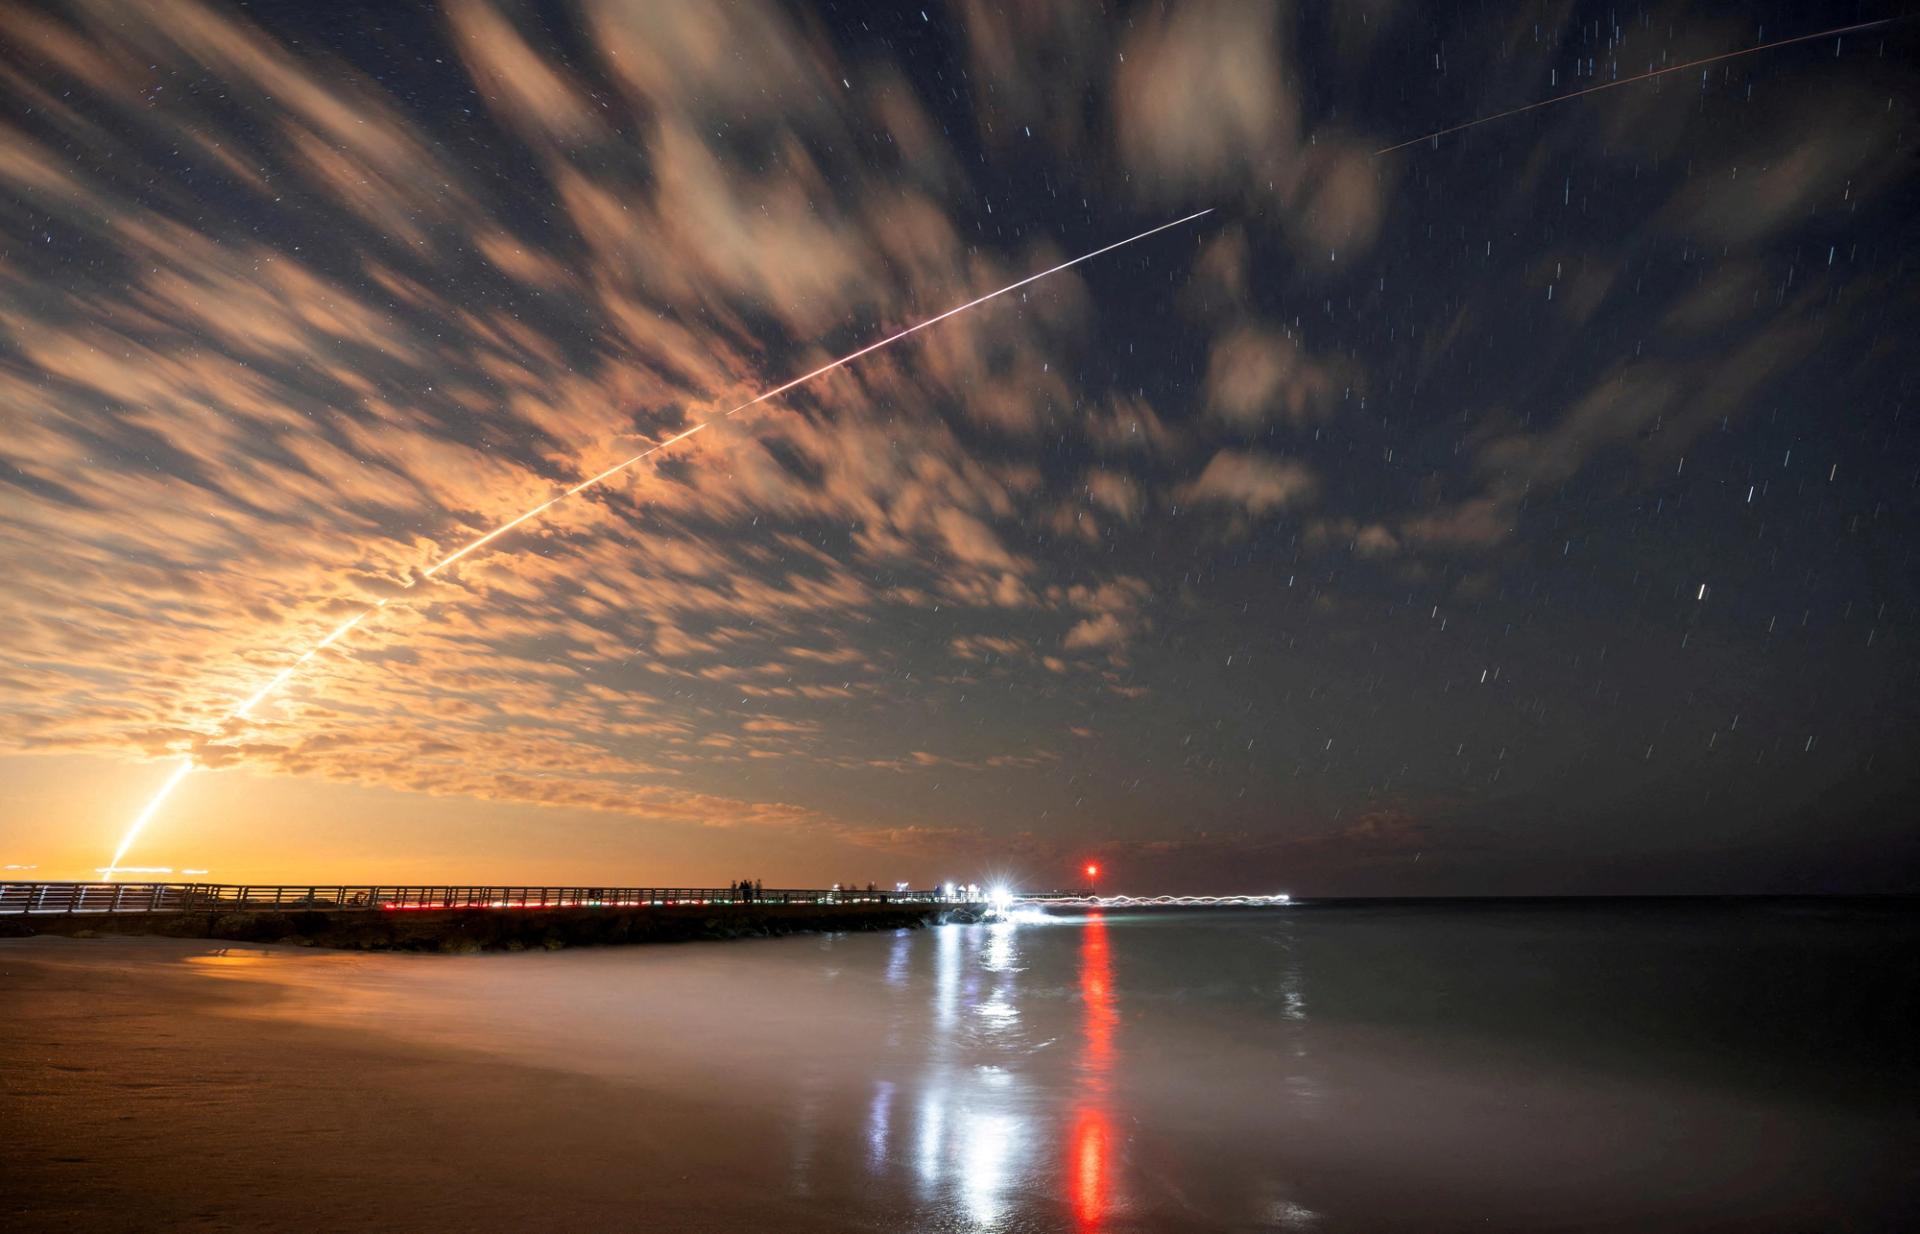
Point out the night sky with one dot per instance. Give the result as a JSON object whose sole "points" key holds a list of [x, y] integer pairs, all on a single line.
{"points": [[1530, 510]]}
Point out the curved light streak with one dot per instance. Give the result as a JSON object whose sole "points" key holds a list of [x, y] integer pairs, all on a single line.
{"points": [[279, 679], [1646, 76]]}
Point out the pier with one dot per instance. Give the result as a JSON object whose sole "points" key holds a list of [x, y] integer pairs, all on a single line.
{"points": [[66, 898], [457, 918], [461, 918]]}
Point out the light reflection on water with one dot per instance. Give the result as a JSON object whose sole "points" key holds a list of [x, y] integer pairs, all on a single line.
{"points": [[1090, 1178], [1004, 1138], [969, 1162], [1119, 1072]]}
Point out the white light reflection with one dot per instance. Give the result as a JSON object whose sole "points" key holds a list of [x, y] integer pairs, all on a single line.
{"points": [[997, 957], [899, 958], [1286, 1215], [974, 1134], [804, 1115], [991, 1141], [946, 980], [930, 1154], [999, 954], [879, 1119]]}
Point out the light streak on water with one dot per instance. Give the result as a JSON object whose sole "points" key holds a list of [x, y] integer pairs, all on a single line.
{"points": [[992, 1145], [279, 679], [1272, 901], [1090, 1166]]}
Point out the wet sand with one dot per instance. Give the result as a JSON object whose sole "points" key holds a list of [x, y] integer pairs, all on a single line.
{"points": [[139, 1096]]}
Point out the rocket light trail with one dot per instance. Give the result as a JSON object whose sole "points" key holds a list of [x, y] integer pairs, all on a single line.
{"points": [[145, 816], [279, 679], [1647, 76]]}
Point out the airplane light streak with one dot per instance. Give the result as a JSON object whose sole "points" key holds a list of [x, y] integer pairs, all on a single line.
{"points": [[1647, 76], [279, 679]]}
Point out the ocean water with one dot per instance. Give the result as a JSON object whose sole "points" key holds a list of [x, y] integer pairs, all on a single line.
{"points": [[1609, 1066]]}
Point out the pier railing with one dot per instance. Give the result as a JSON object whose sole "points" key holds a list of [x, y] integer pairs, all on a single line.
{"points": [[21, 898]]}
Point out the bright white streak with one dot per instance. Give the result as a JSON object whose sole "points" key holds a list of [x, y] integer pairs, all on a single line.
{"points": [[153, 807], [279, 679]]}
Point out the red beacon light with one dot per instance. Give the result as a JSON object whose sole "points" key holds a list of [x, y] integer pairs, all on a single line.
{"points": [[1093, 871]]}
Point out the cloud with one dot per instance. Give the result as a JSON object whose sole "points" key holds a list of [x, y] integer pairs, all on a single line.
{"points": [[1830, 156], [1199, 97], [1257, 483], [1115, 493], [971, 541], [1205, 108], [525, 87], [1362, 539], [1221, 281], [1256, 375], [1654, 406], [1479, 522], [1032, 66], [1115, 614], [1106, 630], [1129, 425]]}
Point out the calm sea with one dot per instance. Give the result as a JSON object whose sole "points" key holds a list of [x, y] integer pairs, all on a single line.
{"points": [[1327, 1067]]}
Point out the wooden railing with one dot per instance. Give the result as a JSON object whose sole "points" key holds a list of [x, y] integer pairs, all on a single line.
{"points": [[19, 898]]}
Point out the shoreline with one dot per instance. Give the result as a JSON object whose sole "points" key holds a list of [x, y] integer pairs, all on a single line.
{"points": [[465, 931]]}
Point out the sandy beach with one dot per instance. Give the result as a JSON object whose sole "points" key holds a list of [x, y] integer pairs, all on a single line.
{"points": [[142, 1096]]}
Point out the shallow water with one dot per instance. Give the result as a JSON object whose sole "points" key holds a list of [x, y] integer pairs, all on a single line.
{"points": [[1417, 1067]]}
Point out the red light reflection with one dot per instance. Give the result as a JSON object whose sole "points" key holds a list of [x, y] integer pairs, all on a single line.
{"points": [[1089, 1167], [1089, 1155]]}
